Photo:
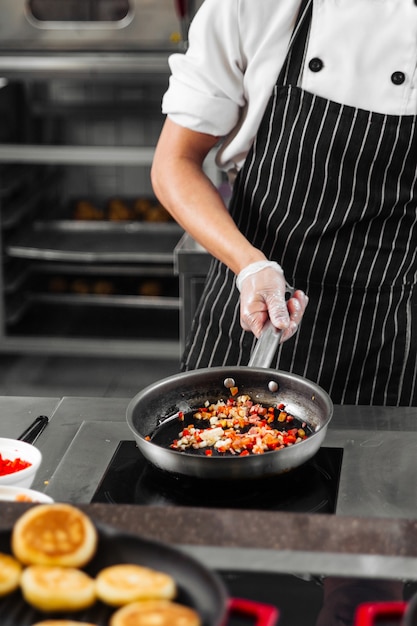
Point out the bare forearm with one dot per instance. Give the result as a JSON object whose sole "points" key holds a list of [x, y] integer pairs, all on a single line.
{"points": [[188, 194]]}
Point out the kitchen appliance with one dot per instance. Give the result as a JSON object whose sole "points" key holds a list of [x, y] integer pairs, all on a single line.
{"points": [[311, 488], [86, 251]]}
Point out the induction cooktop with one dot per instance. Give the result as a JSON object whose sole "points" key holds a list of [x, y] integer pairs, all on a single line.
{"points": [[312, 487]]}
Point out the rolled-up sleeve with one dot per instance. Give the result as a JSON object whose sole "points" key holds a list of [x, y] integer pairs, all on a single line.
{"points": [[206, 90]]}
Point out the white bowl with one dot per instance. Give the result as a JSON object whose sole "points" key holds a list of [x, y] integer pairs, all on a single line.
{"points": [[20, 494], [15, 449]]}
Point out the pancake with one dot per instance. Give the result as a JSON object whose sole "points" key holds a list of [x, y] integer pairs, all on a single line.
{"points": [[155, 613], [10, 572], [54, 534], [120, 584], [52, 588]]}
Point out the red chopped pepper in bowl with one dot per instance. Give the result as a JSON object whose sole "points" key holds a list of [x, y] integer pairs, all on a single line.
{"points": [[19, 462], [9, 466]]}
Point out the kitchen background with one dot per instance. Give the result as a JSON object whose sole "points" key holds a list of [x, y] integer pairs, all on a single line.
{"points": [[93, 298]]}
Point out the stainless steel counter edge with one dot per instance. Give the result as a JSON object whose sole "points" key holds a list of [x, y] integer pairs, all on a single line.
{"points": [[304, 563]]}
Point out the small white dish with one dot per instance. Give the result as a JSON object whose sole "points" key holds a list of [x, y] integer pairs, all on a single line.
{"points": [[12, 449], [20, 494]]}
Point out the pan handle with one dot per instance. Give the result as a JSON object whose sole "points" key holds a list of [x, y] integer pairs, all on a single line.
{"points": [[372, 613], [268, 342], [266, 346], [265, 614], [33, 431]]}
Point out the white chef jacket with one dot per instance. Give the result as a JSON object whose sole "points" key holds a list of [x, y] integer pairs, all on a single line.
{"points": [[221, 86]]}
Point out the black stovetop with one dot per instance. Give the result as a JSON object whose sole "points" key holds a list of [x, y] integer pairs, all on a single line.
{"points": [[131, 479], [312, 488]]}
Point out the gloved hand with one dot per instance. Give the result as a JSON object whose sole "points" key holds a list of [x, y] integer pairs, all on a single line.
{"points": [[262, 289]]}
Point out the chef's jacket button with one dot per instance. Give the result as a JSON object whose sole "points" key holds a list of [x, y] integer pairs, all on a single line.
{"points": [[398, 78], [316, 64]]}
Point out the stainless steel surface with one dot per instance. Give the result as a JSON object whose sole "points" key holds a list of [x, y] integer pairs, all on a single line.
{"points": [[372, 505], [191, 262], [102, 65], [148, 26], [80, 155], [85, 428], [303, 399], [134, 243], [304, 562], [265, 347], [17, 412], [364, 490]]}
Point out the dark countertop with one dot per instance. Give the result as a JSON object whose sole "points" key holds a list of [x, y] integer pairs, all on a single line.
{"points": [[375, 526], [277, 542]]}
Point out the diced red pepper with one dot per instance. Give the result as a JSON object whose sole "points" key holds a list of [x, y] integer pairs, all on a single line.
{"points": [[10, 466]]}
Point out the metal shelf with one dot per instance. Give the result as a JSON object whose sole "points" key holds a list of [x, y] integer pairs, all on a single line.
{"points": [[119, 65], [78, 155], [152, 349], [124, 301], [90, 247]]}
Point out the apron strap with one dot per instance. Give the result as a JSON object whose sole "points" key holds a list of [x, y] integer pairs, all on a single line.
{"points": [[291, 70]]}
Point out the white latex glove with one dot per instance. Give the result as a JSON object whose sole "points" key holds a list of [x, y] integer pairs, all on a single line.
{"points": [[263, 291]]}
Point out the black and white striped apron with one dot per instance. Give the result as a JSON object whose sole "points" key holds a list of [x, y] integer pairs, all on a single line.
{"points": [[330, 192]]}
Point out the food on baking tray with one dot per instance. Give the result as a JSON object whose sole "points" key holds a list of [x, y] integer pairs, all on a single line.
{"points": [[240, 426], [54, 588], [122, 210], [160, 613], [86, 210], [149, 211], [10, 466], [10, 572], [54, 534], [103, 287], [140, 207], [118, 210], [58, 284], [150, 288], [157, 214], [120, 584], [80, 286]]}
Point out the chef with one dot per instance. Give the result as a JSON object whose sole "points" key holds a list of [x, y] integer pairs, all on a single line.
{"points": [[311, 107]]}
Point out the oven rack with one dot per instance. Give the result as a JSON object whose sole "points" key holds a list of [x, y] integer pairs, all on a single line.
{"points": [[133, 245]]}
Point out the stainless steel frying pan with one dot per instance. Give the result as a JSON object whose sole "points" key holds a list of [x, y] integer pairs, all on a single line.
{"points": [[152, 413]]}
